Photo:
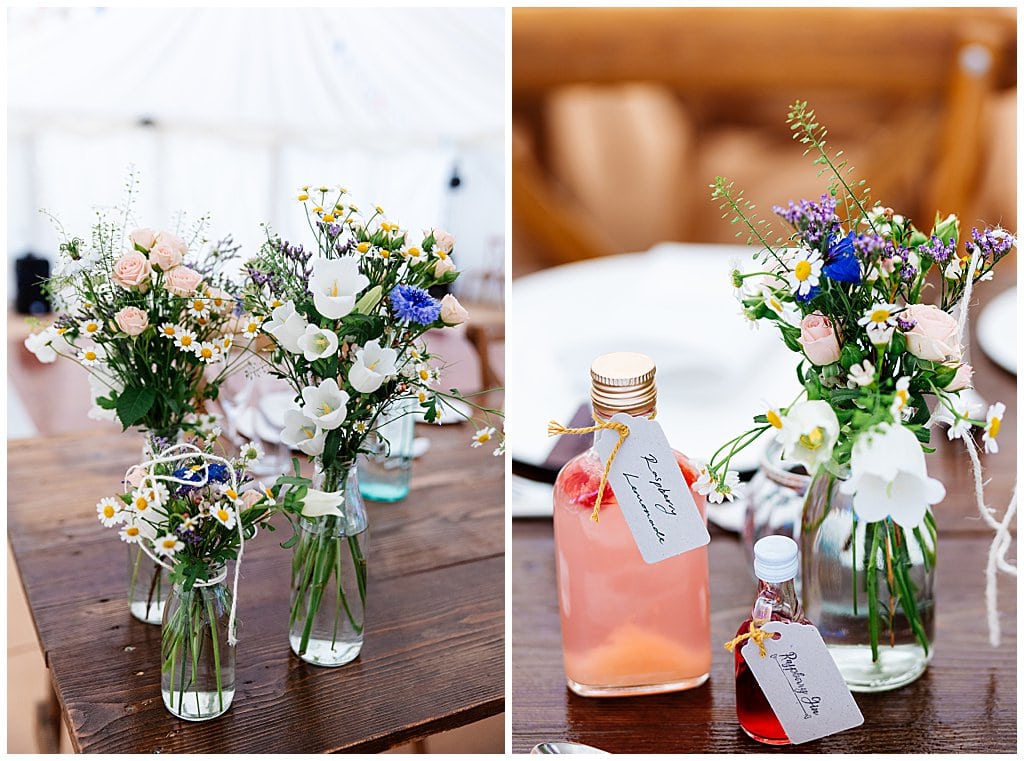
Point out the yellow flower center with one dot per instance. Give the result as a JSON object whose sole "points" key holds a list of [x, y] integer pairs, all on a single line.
{"points": [[363, 247], [902, 395], [334, 288], [169, 543], [222, 514], [310, 432], [993, 427], [803, 270], [325, 409], [414, 252], [169, 330], [814, 439], [303, 196], [132, 531], [90, 355], [424, 374], [141, 503], [108, 511], [198, 305], [206, 352], [232, 494], [186, 340], [92, 327], [774, 419], [328, 217], [320, 342], [879, 315], [483, 437], [384, 253]]}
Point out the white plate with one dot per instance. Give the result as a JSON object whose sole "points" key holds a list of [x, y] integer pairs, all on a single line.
{"points": [[997, 330], [674, 303]]}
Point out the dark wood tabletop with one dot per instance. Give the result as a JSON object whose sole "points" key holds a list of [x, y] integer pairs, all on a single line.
{"points": [[433, 658], [965, 702]]}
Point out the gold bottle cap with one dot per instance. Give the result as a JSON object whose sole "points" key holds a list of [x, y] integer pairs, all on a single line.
{"points": [[623, 382]]}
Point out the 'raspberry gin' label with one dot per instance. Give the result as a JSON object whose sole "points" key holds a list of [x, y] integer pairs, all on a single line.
{"points": [[655, 498]]}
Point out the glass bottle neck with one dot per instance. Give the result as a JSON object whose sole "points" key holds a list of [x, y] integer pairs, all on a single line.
{"points": [[777, 601]]}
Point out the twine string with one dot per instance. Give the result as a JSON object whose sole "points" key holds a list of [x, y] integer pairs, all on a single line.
{"points": [[557, 429], [178, 453], [754, 633]]}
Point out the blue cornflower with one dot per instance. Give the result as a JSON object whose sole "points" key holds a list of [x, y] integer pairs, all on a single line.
{"points": [[841, 262], [414, 304], [814, 291]]}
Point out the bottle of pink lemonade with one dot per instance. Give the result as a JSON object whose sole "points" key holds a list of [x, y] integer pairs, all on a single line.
{"points": [[628, 627]]}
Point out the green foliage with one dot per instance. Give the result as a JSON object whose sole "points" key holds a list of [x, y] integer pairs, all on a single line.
{"points": [[133, 403]]}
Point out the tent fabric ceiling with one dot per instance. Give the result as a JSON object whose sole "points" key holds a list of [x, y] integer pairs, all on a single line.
{"points": [[322, 73]]}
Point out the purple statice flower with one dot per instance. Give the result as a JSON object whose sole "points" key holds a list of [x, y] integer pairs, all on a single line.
{"points": [[334, 229], [816, 222], [414, 304], [343, 248], [937, 250], [994, 243], [190, 537], [868, 245], [905, 324], [65, 321]]}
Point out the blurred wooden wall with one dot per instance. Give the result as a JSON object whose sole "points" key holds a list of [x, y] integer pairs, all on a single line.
{"points": [[622, 117]]}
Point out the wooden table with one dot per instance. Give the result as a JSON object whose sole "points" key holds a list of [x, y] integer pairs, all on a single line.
{"points": [[434, 653], [966, 701]]}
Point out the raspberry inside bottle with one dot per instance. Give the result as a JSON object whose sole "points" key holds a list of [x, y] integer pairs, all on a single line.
{"points": [[628, 627]]}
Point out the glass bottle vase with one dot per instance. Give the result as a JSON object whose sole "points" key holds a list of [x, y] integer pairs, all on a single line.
{"points": [[385, 471], [869, 587], [148, 586], [197, 676], [328, 579]]}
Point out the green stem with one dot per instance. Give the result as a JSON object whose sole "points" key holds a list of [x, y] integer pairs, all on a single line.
{"points": [[212, 621], [905, 587], [872, 588]]}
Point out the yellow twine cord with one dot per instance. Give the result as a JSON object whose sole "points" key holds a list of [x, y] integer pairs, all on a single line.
{"points": [[557, 429], [756, 633]]}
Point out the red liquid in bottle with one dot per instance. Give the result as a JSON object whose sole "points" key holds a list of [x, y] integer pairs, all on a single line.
{"points": [[756, 717]]}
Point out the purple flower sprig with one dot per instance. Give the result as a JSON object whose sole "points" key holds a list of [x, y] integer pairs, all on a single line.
{"points": [[938, 251], [994, 243], [816, 222]]}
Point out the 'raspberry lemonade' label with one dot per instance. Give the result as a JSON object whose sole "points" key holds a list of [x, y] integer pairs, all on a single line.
{"points": [[802, 683], [655, 499]]}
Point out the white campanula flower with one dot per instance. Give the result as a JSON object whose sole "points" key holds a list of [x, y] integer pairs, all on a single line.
{"points": [[223, 514], [325, 404], [302, 433], [92, 355], [109, 511], [47, 344], [809, 433], [482, 436], [899, 406], [880, 322], [888, 477], [373, 365], [319, 503], [167, 545], [316, 343], [993, 422], [862, 375], [186, 340], [804, 270], [335, 283], [286, 325]]}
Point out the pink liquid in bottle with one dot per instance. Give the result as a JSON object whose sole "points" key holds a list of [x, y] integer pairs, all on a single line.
{"points": [[628, 627]]}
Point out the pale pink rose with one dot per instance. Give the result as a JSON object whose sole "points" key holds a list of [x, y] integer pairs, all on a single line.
{"points": [[443, 267], [182, 281], [818, 339], [963, 379], [934, 335], [452, 312], [164, 257], [172, 240], [135, 475], [144, 238], [132, 271], [250, 497], [132, 320], [444, 241]]}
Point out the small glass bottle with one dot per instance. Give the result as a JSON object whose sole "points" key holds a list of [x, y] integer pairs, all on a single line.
{"points": [[775, 564], [628, 627]]}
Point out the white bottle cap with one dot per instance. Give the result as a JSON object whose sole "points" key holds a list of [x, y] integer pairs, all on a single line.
{"points": [[776, 559]]}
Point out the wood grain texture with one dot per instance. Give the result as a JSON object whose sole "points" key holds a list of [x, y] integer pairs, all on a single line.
{"points": [[434, 653]]}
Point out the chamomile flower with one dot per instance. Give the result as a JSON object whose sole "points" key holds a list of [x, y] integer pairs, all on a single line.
{"points": [[879, 321], [186, 340], [267, 493], [500, 449], [188, 523], [482, 436], [774, 418], [804, 272], [90, 327], [167, 545], [957, 418], [92, 356], [199, 308], [993, 422], [423, 397], [423, 373], [361, 426], [899, 403], [132, 533], [109, 511], [363, 247], [861, 375], [230, 493], [169, 330], [727, 489], [415, 253], [143, 502], [208, 352], [158, 493], [383, 254], [223, 514], [251, 452], [252, 326], [224, 343]]}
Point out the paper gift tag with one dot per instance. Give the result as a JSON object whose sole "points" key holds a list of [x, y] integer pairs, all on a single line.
{"points": [[655, 500], [802, 683]]}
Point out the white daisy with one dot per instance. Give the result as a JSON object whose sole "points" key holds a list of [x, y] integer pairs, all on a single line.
{"points": [[993, 422], [804, 270], [92, 355], [158, 492], [957, 418], [109, 511], [251, 452], [861, 375], [188, 523], [186, 340], [899, 408], [268, 495], [225, 343], [135, 531], [728, 489], [361, 426], [143, 502], [703, 485], [879, 321], [198, 307], [230, 493], [415, 253], [252, 326], [168, 545], [169, 330], [482, 436], [90, 327], [208, 352], [224, 515]]}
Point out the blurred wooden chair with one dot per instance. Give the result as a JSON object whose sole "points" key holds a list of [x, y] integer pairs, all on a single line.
{"points": [[926, 73]]}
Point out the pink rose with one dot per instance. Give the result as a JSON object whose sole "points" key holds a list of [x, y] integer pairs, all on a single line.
{"points": [[445, 241], [182, 281], [443, 267], [172, 240], [144, 238], [132, 271], [963, 379], [135, 475], [132, 320], [819, 339], [250, 497], [934, 335], [452, 312], [164, 256]]}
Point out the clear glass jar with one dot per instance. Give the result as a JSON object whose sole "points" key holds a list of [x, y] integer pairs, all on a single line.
{"points": [[851, 569], [385, 472], [328, 580], [197, 675], [148, 586]]}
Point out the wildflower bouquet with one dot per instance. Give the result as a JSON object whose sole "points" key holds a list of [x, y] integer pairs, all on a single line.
{"points": [[192, 511], [877, 308], [347, 317], [147, 316]]}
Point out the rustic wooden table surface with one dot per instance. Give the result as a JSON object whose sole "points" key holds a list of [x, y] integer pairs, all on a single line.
{"points": [[966, 701], [434, 653]]}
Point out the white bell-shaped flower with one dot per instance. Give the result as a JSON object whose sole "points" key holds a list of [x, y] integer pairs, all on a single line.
{"points": [[325, 404], [301, 432], [335, 283], [809, 433], [374, 365]]}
